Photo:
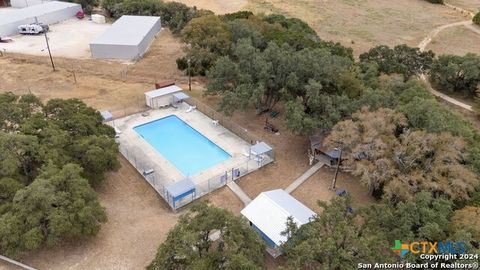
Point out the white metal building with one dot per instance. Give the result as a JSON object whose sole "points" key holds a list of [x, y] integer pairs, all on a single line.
{"points": [[164, 96], [48, 12], [268, 214], [128, 38], [26, 3]]}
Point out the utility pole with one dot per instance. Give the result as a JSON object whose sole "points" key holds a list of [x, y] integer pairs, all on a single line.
{"points": [[189, 75], [49, 52], [334, 182]]}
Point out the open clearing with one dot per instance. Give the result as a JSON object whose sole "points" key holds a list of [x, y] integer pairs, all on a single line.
{"points": [[457, 40], [472, 5], [69, 38], [364, 24]]}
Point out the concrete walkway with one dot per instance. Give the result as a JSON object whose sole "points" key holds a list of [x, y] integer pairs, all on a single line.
{"points": [[239, 192], [304, 177]]}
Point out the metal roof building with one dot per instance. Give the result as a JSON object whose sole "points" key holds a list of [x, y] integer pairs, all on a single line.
{"points": [[164, 96], [128, 38], [179, 190], [268, 215], [48, 12]]}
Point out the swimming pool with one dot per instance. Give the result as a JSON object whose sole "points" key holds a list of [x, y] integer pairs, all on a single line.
{"points": [[183, 146]]}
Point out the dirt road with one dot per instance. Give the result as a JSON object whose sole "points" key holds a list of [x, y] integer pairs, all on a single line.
{"points": [[427, 41]]}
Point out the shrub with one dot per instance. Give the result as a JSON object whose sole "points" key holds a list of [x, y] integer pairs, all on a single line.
{"points": [[476, 19], [436, 1]]}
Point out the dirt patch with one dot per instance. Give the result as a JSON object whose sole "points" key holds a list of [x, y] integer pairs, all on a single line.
{"points": [[102, 84], [69, 38], [318, 186], [457, 40], [364, 24]]}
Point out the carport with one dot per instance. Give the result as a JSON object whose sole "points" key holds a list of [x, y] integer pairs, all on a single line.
{"points": [[179, 191]]}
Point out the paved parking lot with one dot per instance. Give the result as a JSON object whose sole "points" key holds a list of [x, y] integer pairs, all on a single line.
{"points": [[69, 38]]}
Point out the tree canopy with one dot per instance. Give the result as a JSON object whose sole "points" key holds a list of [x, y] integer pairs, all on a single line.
{"points": [[174, 14], [50, 157], [396, 163], [401, 59], [315, 84], [459, 74], [210, 238], [335, 239]]}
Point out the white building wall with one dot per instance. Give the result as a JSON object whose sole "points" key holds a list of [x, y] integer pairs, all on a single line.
{"points": [[49, 13], [26, 3], [157, 102], [149, 38], [110, 51]]}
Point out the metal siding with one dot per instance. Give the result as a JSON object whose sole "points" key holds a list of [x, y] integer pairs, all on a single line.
{"points": [[126, 33], [49, 13], [107, 51]]}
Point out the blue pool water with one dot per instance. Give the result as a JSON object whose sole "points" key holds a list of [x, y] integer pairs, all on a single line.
{"points": [[183, 146]]}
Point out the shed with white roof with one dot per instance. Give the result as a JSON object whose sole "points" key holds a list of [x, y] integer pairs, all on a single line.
{"points": [[268, 214]]}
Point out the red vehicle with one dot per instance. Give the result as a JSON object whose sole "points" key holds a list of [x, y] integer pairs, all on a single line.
{"points": [[80, 15]]}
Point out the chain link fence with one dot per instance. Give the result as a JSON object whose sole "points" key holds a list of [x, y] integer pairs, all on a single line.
{"points": [[159, 182], [224, 121]]}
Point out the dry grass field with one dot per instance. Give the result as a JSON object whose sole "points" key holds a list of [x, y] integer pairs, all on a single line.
{"points": [[363, 24], [357, 24], [472, 5], [217, 6], [456, 40]]}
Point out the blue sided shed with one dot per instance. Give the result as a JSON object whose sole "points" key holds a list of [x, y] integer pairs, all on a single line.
{"points": [[268, 214], [179, 191]]}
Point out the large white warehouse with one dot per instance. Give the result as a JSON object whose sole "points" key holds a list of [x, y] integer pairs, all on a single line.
{"points": [[48, 12], [128, 38]]}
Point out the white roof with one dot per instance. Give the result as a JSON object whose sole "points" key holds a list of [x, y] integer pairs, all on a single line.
{"points": [[34, 11], [128, 30], [163, 91], [270, 210]]}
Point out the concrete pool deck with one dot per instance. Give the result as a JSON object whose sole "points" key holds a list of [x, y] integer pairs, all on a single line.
{"points": [[144, 157]]}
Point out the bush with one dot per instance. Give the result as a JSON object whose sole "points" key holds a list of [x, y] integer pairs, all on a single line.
{"points": [[476, 19], [436, 1]]}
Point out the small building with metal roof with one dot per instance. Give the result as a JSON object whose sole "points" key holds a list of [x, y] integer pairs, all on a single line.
{"points": [[268, 214], [180, 190], [128, 38], [49, 13], [165, 96]]}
